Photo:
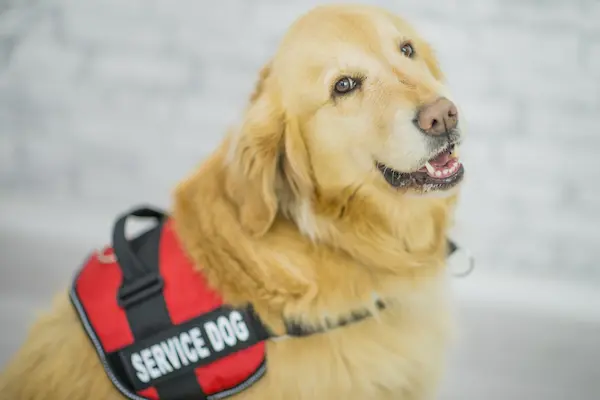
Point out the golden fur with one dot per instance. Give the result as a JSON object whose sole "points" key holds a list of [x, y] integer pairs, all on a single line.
{"points": [[290, 214]]}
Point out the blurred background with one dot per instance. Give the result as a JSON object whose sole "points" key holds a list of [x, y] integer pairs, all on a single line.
{"points": [[105, 104]]}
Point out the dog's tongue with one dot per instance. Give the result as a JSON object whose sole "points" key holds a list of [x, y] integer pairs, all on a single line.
{"points": [[440, 160]]}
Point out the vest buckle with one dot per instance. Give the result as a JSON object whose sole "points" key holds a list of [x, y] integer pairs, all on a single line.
{"points": [[139, 289]]}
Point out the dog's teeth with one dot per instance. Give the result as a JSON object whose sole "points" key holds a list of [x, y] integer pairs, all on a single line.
{"points": [[438, 173], [446, 171], [430, 168]]}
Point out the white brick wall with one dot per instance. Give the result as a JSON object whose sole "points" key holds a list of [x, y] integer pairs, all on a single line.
{"points": [[112, 102]]}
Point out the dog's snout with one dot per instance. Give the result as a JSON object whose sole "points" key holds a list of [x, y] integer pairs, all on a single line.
{"points": [[438, 117]]}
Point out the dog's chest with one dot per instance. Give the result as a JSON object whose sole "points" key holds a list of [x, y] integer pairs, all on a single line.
{"points": [[380, 358]]}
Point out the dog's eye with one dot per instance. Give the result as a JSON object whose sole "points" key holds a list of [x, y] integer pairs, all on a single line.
{"points": [[407, 50], [345, 85]]}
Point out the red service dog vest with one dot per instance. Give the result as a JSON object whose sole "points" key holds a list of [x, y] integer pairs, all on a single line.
{"points": [[160, 331]]}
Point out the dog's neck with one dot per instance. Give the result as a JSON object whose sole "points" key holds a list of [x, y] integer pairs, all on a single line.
{"points": [[387, 234], [318, 261]]}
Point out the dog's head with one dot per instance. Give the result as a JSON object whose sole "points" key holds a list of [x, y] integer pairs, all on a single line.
{"points": [[352, 106]]}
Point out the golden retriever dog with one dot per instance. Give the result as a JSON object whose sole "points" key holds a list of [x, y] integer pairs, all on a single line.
{"points": [[334, 194]]}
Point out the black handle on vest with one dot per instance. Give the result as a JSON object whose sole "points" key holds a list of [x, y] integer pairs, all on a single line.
{"points": [[139, 280]]}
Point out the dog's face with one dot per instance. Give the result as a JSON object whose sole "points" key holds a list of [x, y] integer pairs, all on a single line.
{"points": [[353, 98], [370, 94]]}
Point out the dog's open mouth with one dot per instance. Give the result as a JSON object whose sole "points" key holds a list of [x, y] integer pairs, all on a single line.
{"points": [[439, 173]]}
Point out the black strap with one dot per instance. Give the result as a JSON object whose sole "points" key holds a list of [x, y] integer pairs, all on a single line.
{"points": [[300, 330], [141, 296]]}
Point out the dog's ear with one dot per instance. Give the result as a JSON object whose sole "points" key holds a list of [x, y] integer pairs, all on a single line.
{"points": [[253, 158], [268, 159]]}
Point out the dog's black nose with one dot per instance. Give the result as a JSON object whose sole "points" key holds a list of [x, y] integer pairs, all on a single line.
{"points": [[438, 117]]}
